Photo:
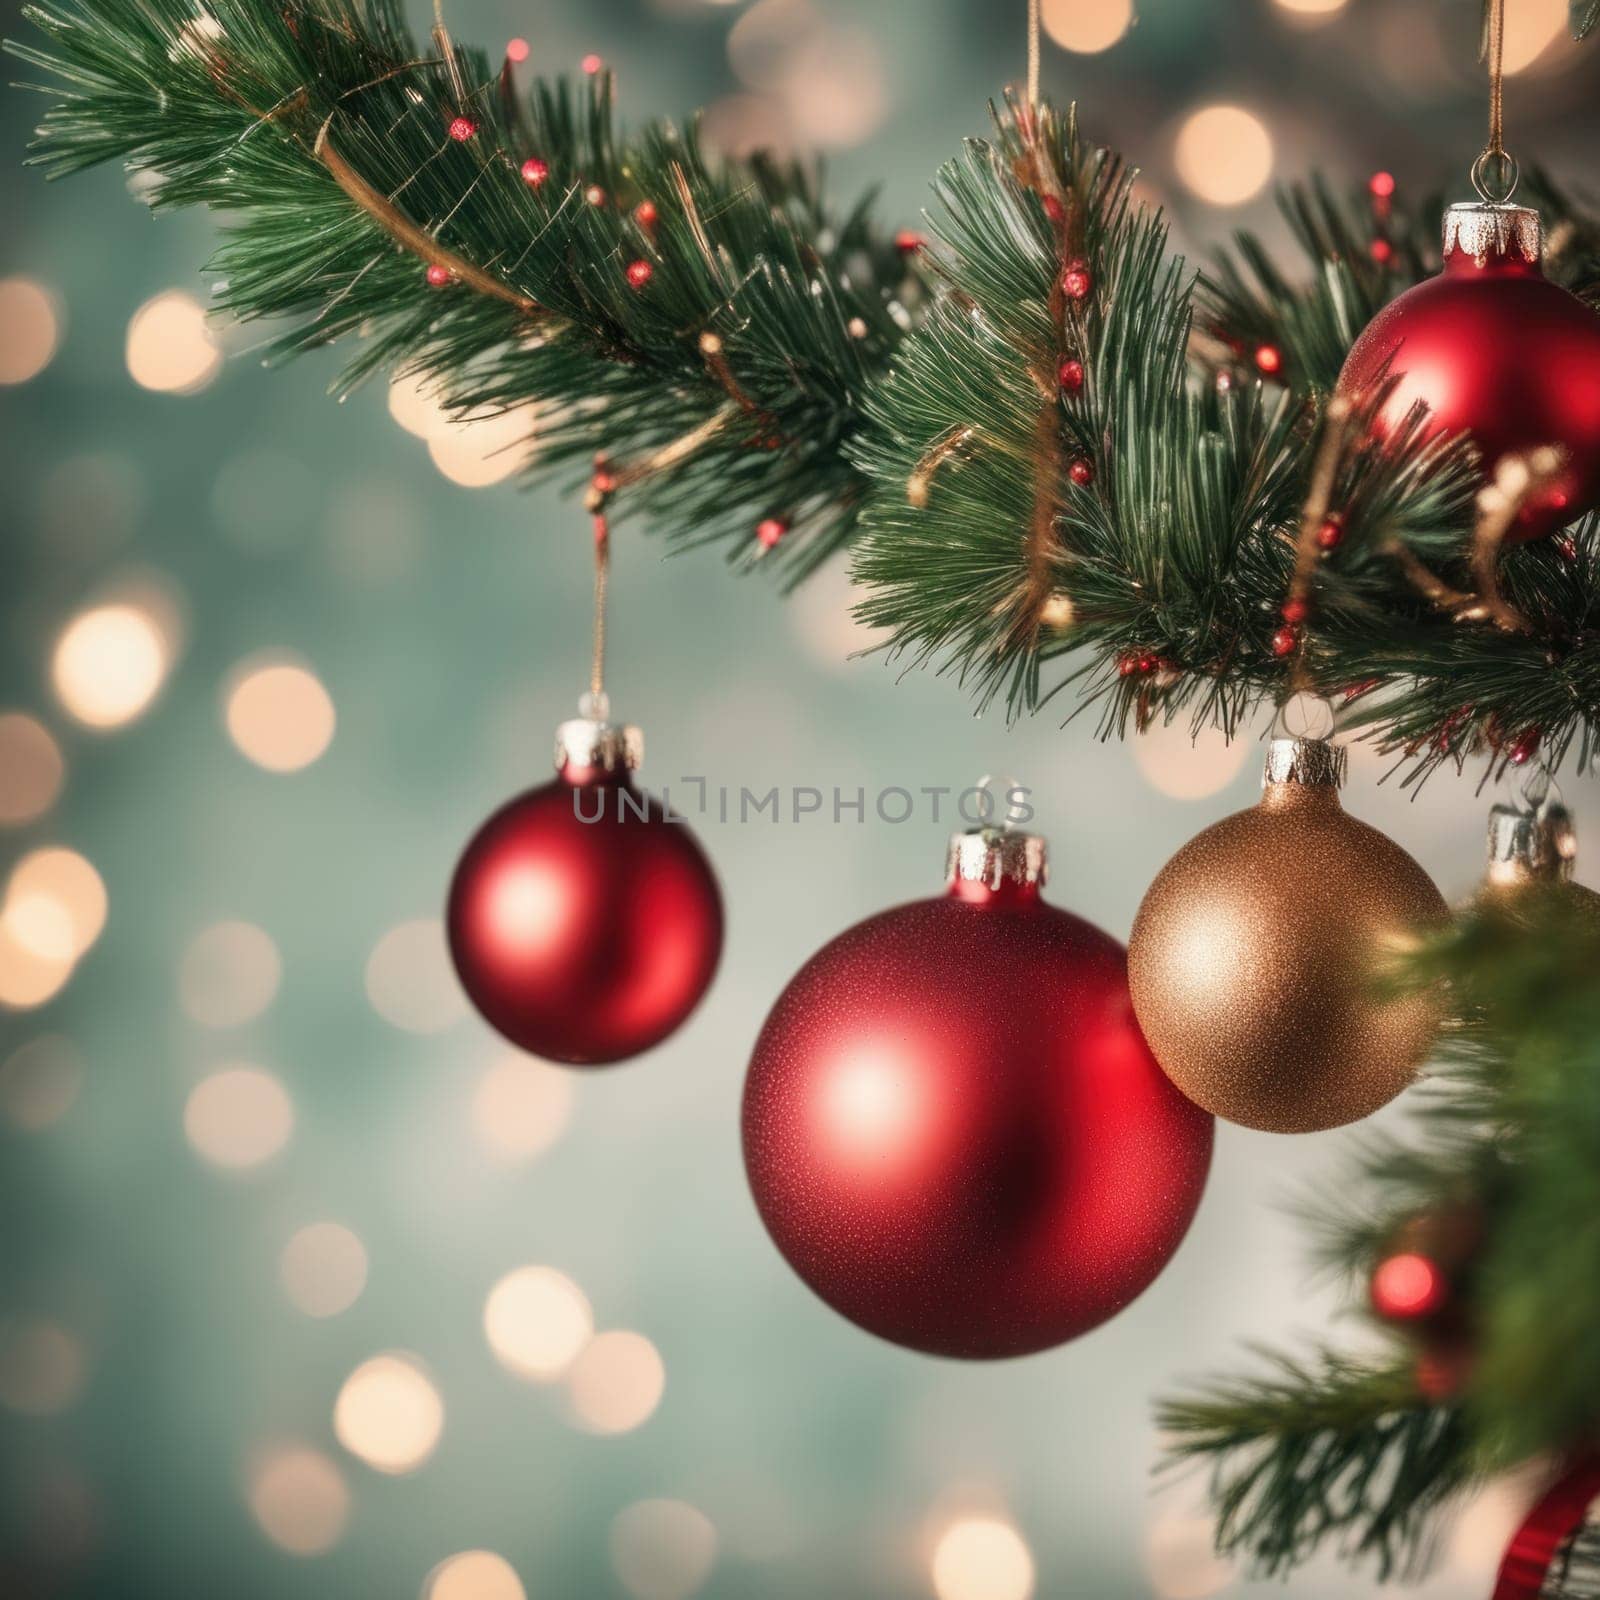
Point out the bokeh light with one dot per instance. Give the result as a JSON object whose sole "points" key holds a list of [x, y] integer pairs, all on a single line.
{"points": [[109, 663], [170, 346], [485, 447], [43, 1366], [1224, 154], [228, 974], [323, 1269], [662, 1549], [410, 981], [414, 404], [1532, 26], [55, 904], [1087, 26], [300, 1499], [238, 1117], [30, 329], [537, 1321], [1181, 1558], [31, 769], [1312, 10], [278, 713], [389, 1414], [474, 1575], [521, 1107], [39, 1081], [617, 1382], [28, 979], [982, 1558], [1185, 766]]}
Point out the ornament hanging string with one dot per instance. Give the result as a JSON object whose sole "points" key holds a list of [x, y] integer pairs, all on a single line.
{"points": [[1033, 53], [1536, 1545], [1494, 173]]}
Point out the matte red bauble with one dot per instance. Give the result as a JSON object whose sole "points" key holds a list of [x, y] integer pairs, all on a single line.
{"points": [[585, 921], [952, 1125], [1491, 347]]}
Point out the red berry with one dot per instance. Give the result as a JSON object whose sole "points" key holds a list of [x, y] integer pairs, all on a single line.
{"points": [[1284, 641], [1081, 472], [645, 213], [595, 195], [908, 242], [1269, 359], [592, 64], [1524, 747], [1331, 534], [462, 129], [1070, 374], [534, 172], [439, 276], [1054, 209], [1381, 185], [640, 273], [770, 530], [1131, 664], [1407, 1287], [1381, 251], [517, 50], [1441, 1373], [1296, 611], [1076, 281], [604, 481]]}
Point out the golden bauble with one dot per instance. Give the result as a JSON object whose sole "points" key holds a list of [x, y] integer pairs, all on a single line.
{"points": [[1255, 958]]}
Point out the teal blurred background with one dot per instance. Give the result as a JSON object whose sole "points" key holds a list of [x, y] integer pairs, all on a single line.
{"points": [[267, 662]]}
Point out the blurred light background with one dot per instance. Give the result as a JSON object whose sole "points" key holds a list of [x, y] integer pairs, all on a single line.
{"points": [[312, 1288]]}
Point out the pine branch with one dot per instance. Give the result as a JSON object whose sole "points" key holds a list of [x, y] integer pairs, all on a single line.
{"points": [[324, 132], [1351, 1454], [1173, 567]]}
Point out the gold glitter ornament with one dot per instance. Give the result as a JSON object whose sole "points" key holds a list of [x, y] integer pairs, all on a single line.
{"points": [[1255, 957]]}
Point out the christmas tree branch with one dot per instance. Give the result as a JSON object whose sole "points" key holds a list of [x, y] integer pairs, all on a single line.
{"points": [[628, 284], [1052, 484], [1360, 1455]]}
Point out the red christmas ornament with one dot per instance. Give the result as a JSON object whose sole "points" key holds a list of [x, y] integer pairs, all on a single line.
{"points": [[462, 129], [1070, 374], [1492, 348], [1076, 280], [640, 273], [646, 215], [1381, 185], [908, 242], [1381, 251], [439, 276], [1269, 359], [1408, 1287], [534, 172], [1081, 472], [953, 1128], [584, 919], [1284, 641], [1331, 534], [770, 531]]}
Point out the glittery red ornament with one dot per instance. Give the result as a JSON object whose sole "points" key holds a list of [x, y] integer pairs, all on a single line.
{"points": [[585, 925], [1284, 641], [953, 1128], [1491, 347], [462, 129]]}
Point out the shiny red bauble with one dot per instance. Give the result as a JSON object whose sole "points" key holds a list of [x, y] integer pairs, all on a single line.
{"points": [[954, 1130], [585, 921], [1491, 347]]}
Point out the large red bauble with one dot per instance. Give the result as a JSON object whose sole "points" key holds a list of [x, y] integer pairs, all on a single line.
{"points": [[1491, 347], [585, 925], [954, 1130]]}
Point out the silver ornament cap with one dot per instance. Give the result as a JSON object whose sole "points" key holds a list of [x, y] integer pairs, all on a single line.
{"points": [[1531, 843], [1487, 232], [1310, 763], [996, 856], [606, 746]]}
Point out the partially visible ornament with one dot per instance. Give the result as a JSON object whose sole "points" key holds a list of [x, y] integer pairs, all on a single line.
{"points": [[1532, 848], [953, 1129], [1254, 956], [1555, 1553], [1492, 348], [584, 919]]}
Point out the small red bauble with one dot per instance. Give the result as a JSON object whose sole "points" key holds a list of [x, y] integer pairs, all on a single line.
{"points": [[1076, 280], [1269, 359], [1296, 611], [1081, 472], [534, 172], [585, 921], [462, 129], [953, 1128], [1381, 185], [640, 273], [1284, 641], [1070, 374], [438, 276], [1492, 348], [1381, 251]]}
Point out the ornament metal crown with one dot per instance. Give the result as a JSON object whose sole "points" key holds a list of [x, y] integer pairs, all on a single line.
{"points": [[1485, 231], [610, 746], [993, 856]]}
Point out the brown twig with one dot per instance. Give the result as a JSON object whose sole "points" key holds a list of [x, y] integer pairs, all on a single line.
{"points": [[920, 483], [407, 233]]}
